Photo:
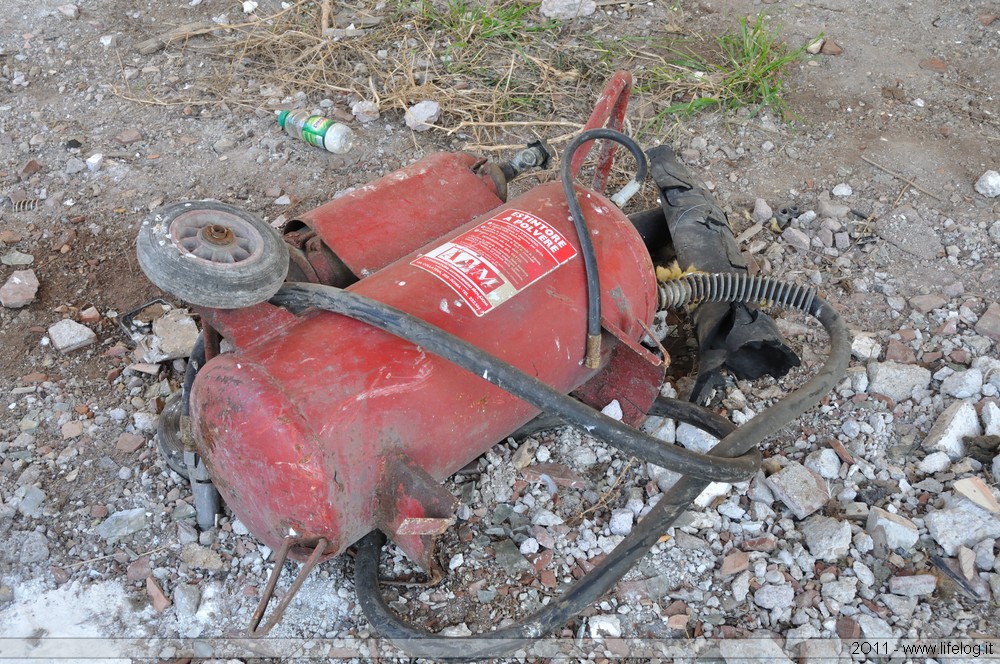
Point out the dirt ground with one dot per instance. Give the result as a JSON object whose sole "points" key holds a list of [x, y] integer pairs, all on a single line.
{"points": [[906, 115]]}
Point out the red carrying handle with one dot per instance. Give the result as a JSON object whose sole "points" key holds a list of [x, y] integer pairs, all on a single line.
{"points": [[609, 111]]}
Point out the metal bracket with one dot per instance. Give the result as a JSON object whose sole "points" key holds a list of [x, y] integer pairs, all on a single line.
{"points": [[633, 376], [413, 509]]}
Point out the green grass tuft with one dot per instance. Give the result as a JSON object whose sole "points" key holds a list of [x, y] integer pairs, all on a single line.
{"points": [[747, 70]]}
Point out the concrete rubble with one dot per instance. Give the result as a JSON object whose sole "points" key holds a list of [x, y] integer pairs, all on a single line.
{"points": [[19, 289]]}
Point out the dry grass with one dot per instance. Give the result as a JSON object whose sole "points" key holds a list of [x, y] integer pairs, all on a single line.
{"points": [[500, 71]]}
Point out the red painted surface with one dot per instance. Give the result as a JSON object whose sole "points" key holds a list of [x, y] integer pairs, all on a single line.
{"points": [[608, 112], [295, 429], [374, 225]]}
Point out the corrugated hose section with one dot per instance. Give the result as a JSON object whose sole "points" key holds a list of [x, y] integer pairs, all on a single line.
{"points": [[735, 287]]}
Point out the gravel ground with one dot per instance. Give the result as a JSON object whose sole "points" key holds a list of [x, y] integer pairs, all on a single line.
{"points": [[875, 515]]}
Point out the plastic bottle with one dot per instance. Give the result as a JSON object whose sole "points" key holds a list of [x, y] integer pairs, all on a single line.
{"points": [[317, 130]]}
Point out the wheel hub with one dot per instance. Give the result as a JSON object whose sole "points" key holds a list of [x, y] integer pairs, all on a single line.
{"points": [[216, 237], [217, 234]]}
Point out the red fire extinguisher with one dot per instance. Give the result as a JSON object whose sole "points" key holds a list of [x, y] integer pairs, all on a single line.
{"points": [[425, 317]]}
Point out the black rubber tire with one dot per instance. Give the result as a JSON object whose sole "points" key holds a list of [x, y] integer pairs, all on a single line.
{"points": [[245, 269], [168, 436]]}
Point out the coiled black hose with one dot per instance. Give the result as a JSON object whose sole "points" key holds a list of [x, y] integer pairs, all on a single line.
{"points": [[735, 442], [734, 287], [592, 357]]}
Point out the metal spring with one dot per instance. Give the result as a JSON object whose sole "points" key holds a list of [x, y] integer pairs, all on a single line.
{"points": [[26, 205], [735, 287]]}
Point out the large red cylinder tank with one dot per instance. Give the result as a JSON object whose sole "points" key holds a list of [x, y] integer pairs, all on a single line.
{"points": [[298, 430]]}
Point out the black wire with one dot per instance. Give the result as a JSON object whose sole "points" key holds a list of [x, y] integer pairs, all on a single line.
{"points": [[583, 233], [734, 442]]}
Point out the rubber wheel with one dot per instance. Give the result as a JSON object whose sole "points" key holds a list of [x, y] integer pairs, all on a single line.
{"points": [[168, 436], [210, 254]]}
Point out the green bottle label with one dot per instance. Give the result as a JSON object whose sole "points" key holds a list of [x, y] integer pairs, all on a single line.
{"points": [[315, 130]]}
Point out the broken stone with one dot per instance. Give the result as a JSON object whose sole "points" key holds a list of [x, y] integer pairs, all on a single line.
{"points": [[122, 524], [174, 335], [771, 596], [990, 416], [936, 462], [187, 599], [90, 315], [734, 563], [30, 168], [897, 381], [988, 184], [29, 501], [566, 10], [842, 190], [199, 557], [824, 462], [978, 492], [801, 490], [985, 559], [74, 166], [900, 532], [961, 523], [795, 238], [70, 11], [420, 116], [988, 324], [602, 626], [15, 258], [365, 111], [827, 538], [815, 47], [621, 522], [762, 212], [963, 384], [694, 438], [138, 569], [927, 303], [831, 47], [160, 601], [864, 346], [129, 442], [843, 590], [68, 335], [556, 472], [128, 136], [72, 429], [933, 64], [957, 422], [967, 562], [900, 606], [20, 289], [913, 586]]}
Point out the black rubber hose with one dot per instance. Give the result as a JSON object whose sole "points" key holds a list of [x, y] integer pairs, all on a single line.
{"points": [[603, 577], [299, 297], [195, 362], [592, 356]]}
